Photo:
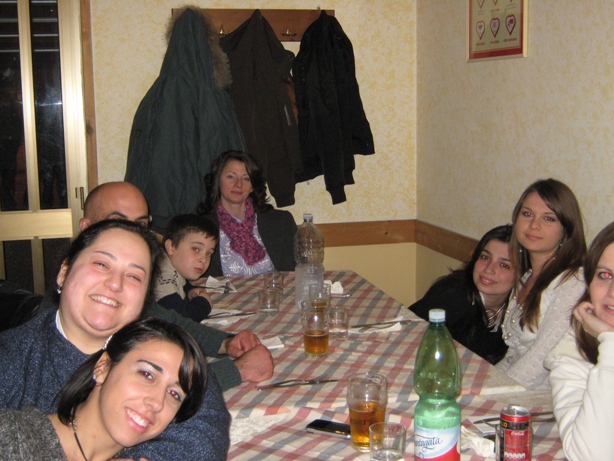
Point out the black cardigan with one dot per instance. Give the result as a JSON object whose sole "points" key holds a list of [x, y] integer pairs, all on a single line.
{"points": [[464, 319], [277, 229]]}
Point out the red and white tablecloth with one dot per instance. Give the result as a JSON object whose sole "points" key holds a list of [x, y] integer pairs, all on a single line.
{"points": [[392, 354]]}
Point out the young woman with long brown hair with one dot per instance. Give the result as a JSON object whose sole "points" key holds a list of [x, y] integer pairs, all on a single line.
{"points": [[547, 250]]}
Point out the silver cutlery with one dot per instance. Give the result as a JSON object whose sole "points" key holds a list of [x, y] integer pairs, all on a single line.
{"points": [[296, 382], [217, 288], [380, 325], [221, 315]]}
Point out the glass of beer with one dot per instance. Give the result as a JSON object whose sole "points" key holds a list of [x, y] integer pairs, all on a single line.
{"points": [[367, 397], [315, 329], [319, 295]]}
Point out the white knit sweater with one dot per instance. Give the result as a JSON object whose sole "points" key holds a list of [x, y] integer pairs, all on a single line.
{"points": [[583, 398], [524, 361]]}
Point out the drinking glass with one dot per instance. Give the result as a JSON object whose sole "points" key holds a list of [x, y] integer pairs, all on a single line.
{"points": [[268, 301], [367, 397], [387, 441], [274, 280], [339, 321], [319, 295], [315, 329]]}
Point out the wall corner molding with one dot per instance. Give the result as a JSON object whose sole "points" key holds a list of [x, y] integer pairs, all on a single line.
{"points": [[436, 238]]}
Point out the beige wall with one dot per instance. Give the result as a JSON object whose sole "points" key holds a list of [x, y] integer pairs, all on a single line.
{"points": [[456, 142], [128, 47], [432, 265], [389, 267], [393, 268], [486, 130]]}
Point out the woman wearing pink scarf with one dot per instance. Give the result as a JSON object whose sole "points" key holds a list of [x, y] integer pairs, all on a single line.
{"points": [[254, 237]]}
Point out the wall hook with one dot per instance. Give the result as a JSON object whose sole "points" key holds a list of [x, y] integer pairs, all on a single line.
{"points": [[288, 33], [222, 32]]}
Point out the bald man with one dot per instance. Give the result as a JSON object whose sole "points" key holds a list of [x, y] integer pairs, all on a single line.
{"points": [[122, 200]]}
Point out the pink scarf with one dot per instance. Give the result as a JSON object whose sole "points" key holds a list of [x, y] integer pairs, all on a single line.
{"points": [[241, 234]]}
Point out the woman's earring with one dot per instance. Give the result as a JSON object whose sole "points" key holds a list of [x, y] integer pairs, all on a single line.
{"points": [[94, 377], [59, 290]]}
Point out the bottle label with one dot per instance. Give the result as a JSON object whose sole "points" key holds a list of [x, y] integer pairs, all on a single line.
{"points": [[437, 444]]}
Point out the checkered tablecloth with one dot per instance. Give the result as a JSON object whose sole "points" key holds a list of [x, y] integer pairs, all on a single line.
{"points": [[392, 354], [288, 439]]}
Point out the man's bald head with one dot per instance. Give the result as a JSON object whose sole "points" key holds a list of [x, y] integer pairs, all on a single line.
{"points": [[115, 200]]}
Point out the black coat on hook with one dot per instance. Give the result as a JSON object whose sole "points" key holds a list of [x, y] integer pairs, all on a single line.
{"points": [[331, 119], [260, 68]]}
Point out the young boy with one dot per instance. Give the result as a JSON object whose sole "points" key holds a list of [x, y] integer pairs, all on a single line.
{"points": [[189, 243]]}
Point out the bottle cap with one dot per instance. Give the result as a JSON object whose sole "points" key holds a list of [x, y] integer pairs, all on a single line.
{"points": [[437, 315], [307, 217]]}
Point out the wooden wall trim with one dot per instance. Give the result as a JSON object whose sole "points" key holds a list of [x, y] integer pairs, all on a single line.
{"points": [[443, 241], [288, 25], [88, 95], [367, 233]]}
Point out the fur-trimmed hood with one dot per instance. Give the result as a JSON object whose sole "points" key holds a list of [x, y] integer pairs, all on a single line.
{"points": [[219, 59]]}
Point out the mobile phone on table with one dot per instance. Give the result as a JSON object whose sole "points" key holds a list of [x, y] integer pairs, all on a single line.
{"points": [[322, 426]]}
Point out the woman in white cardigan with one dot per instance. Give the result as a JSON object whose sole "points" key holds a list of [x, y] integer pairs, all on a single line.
{"points": [[582, 364], [547, 250]]}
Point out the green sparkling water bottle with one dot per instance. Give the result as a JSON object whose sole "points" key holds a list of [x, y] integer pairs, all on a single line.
{"points": [[437, 381]]}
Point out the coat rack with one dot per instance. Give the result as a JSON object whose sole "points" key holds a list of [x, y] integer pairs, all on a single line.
{"points": [[288, 24]]}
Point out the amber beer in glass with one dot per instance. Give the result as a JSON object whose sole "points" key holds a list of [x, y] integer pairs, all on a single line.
{"points": [[367, 397], [315, 329], [319, 295], [316, 343]]}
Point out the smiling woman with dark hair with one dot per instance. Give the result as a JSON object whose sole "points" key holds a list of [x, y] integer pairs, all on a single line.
{"points": [[101, 287], [475, 296], [149, 374], [254, 237]]}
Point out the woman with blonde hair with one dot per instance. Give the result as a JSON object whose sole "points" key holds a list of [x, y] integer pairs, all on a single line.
{"points": [[547, 250]]}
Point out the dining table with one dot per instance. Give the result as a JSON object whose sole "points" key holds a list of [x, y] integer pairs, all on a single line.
{"points": [[270, 423]]}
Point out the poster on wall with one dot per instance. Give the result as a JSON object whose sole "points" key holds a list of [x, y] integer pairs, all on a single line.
{"points": [[497, 29]]}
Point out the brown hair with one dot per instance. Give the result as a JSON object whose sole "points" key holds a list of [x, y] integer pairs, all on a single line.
{"points": [[212, 182], [560, 199], [588, 346]]}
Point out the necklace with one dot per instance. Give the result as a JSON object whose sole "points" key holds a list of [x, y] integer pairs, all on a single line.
{"points": [[74, 430], [492, 316]]}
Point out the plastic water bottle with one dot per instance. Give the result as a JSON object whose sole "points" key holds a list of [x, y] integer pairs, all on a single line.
{"points": [[437, 381], [309, 256]]}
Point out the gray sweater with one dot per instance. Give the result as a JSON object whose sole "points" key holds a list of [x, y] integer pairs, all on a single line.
{"points": [[25, 435], [36, 360]]}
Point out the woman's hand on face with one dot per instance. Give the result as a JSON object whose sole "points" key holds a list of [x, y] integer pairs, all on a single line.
{"points": [[593, 325]]}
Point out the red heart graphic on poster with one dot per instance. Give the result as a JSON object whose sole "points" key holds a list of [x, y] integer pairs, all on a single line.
{"points": [[480, 27], [494, 26], [510, 23], [480, 3]]}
